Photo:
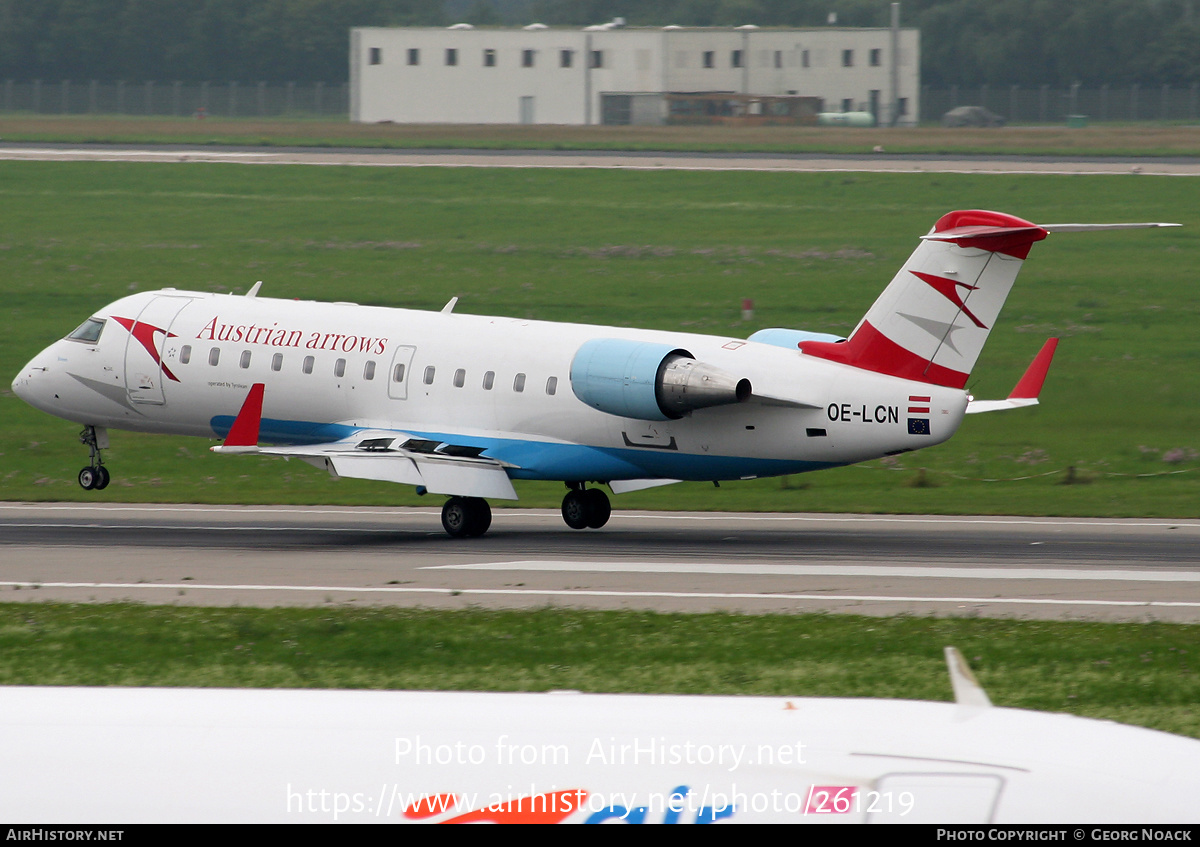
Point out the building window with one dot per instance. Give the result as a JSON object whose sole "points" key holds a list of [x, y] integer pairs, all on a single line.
{"points": [[566, 58], [369, 370], [451, 56], [429, 372], [489, 379], [779, 58], [460, 377], [847, 58], [876, 57], [735, 59], [527, 58], [398, 373], [902, 106], [339, 368], [552, 385], [375, 56], [519, 383], [245, 362], [804, 58], [489, 58], [214, 356], [185, 354], [709, 60], [414, 56], [597, 58], [307, 367], [848, 105], [277, 362]]}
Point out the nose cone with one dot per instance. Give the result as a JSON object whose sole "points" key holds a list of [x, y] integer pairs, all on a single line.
{"points": [[21, 384], [31, 384]]}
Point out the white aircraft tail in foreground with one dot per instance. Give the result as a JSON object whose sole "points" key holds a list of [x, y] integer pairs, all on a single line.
{"points": [[141, 755], [461, 405]]}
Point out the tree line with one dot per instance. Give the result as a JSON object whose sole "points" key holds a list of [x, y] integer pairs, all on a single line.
{"points": [[964, 42]]}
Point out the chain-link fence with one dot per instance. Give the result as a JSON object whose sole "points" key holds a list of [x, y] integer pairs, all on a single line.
{"points": [[1047, 104], [216, 99], [1017, 104]]}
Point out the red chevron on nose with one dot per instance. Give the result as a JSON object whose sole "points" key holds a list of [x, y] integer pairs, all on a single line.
{"points": [[144, 334]]}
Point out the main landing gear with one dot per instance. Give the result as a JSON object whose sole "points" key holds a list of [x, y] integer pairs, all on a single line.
{"points": [[582, 508], [466, 517], [585, 508], [95, 476]]}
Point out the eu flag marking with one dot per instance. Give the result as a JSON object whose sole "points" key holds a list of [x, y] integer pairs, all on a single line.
{"points": [[918, 426]]}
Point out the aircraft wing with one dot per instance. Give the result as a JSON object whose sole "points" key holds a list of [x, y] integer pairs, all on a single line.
{"points": [[1028, 387], [384, 455]]}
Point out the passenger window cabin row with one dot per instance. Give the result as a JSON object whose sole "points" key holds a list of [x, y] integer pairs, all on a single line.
{"points": [[399, 371]]}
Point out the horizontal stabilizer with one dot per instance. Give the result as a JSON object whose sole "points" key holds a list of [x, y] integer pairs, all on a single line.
{"points": [[1028, 387], [1099, 227], [1013, 240]]}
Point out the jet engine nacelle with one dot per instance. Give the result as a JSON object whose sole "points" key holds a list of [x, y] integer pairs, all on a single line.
{"points": [[648, 381]]}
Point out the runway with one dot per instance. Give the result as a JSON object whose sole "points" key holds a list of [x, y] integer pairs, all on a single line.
{"points": [[1094, 569], [825, 163]]}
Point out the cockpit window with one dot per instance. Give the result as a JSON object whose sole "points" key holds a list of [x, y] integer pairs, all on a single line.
{"points": [[88, 331]]}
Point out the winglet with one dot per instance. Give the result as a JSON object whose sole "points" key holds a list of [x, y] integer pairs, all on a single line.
{"points": [[244, 432], [967, 690], [1030, 384], [1028, 387]]}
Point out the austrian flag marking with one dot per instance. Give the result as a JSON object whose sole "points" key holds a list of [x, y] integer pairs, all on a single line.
{"points": [[918, 426]]}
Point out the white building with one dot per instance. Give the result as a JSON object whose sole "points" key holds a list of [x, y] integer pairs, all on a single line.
{"points": [[571, 76]]}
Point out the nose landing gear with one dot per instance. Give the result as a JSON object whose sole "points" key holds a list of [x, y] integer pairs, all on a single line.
{"points": [[95, 476]]}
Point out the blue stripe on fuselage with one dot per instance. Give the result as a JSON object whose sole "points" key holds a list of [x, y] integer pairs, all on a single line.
{"points": [[273, 431], [554, 461]]}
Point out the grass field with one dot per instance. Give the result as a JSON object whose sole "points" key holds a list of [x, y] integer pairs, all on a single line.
{"points": [[672, 250], [1141, 139], [1144, 674]]}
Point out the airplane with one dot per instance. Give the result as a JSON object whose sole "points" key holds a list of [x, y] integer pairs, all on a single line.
{"points": [[175, 755], [462, 405]]}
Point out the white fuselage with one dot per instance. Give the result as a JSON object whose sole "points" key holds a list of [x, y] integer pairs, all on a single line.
{"points": [[182, 362], [176, 755]]}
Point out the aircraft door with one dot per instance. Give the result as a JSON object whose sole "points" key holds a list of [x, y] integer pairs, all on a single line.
{"points": [[148, 345], [400, 372]]}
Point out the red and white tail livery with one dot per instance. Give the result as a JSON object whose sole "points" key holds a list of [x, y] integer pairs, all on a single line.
{"points": [[931, 322]]}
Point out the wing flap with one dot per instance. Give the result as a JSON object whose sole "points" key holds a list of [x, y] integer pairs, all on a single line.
{"points": [[466, 477], [438, 473], [383, 455]]}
